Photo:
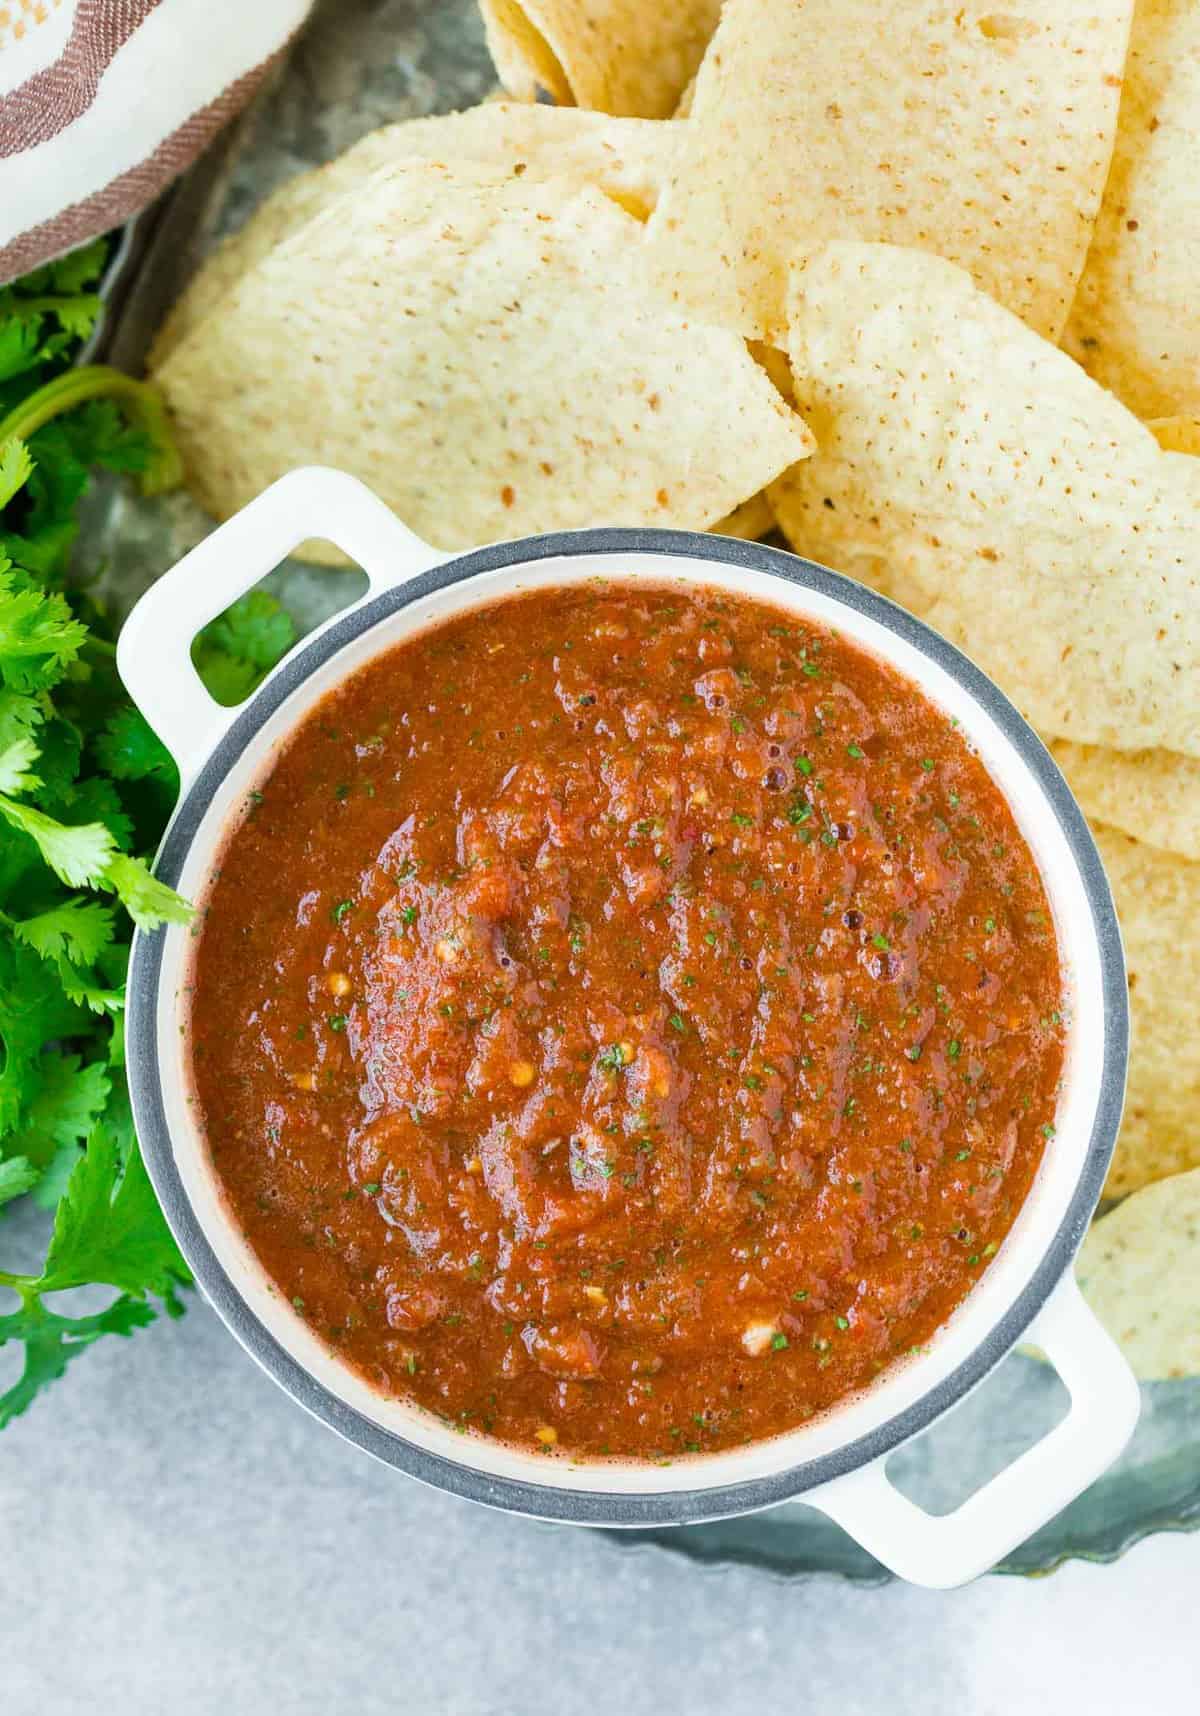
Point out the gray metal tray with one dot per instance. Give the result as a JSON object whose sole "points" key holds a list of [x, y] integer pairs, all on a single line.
{"points": [[361, 64]]}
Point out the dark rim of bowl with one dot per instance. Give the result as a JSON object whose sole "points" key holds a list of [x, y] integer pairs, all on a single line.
{"points": [[583, 1506]]}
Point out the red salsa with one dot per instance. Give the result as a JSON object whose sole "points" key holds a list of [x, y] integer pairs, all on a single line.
{"points": [[626, 1019]]}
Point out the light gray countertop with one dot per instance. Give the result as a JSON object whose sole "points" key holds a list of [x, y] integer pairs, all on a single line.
{"points": [[179, 1537]]}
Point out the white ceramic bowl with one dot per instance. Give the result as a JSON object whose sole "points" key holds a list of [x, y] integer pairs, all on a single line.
{"points": [[837, 1463]]}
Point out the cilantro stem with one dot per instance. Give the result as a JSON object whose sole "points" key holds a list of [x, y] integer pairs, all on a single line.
{"points": [[141, 401]]}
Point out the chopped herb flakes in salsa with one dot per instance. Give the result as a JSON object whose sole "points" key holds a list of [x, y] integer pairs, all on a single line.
{"points": [[658, 1037]]}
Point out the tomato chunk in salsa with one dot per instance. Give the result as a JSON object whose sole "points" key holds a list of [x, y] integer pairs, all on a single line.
{"points": [[626, 1019]]}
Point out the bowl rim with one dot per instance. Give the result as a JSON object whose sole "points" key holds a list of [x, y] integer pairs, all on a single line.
{"points": [[581, 1505]]}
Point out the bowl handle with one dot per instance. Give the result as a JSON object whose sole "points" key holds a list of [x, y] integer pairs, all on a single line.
{"points": [[948, 1549], [154, 649]]}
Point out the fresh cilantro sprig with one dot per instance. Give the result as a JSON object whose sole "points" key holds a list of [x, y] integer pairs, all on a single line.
{"points": [[81, 855], [240, 647], [86, 789], [107, 1229], [44, 316], [134, 438]]}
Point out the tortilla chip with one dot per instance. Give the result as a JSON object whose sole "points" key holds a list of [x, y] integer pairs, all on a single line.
{"points": [[1158, 903], [479, 349], [525, 62], [626, 158], [631, 57], [687, 99], [1176, 434], [777, 367], [1135, 323], [749, 521], [1140, 1272], [755, 518], [981, 135], [977, 475], [1152, 795]]}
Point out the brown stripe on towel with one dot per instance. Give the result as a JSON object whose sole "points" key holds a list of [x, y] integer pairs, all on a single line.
{"points": [[54, 98], [137, 186]]}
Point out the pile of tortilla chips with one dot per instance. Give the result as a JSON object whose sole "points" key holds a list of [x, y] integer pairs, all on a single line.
{"points": [[457, 312], [633, 57], [913, 284]]}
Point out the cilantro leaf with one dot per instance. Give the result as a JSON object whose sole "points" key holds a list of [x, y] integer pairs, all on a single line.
{"points": [[95, 799], [227, 678], [77, 930], [70, 273], [72, 936], [39, 637], [51, 1342], [78, 856], [60, 746], [84, 988], [55, 1177], [86, 855], [148, 901], [16, 767], [42, 318], [109, 1228], [76, 316], [130, 750], [16, 1177], [15, 466], [255, 627], [233, 654], [21, 346], [33, 1011], [19, 715], [64, 1102]]}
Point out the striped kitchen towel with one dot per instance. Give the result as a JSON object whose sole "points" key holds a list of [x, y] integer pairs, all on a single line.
{"points": [[103, 102]]}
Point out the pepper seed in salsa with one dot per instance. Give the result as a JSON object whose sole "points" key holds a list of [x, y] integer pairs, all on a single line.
{"points": [[626, 1020]]}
